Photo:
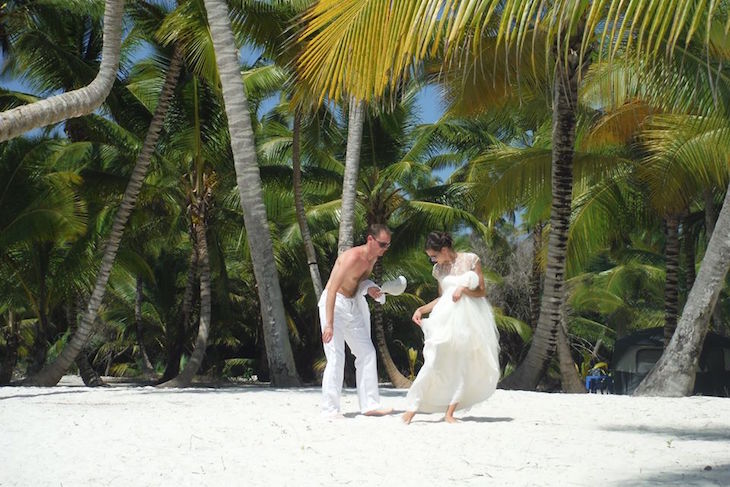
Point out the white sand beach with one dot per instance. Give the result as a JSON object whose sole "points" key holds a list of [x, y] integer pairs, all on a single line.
{"points": [[122, 435]]}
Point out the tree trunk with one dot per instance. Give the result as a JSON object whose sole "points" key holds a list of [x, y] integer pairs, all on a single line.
{"points": [[710, 218], [147, 369], [78, 102], [690, 255], [196, 359], [565, 99], [396, 378], [39, 349], [51, 374], [10, 358], [87, 372], [175, 333], [569, 378], [248, 179], [710, 214], [674, 373], [671, 286], [299, 205], [535, 276], [349, 181], [41, 334]]}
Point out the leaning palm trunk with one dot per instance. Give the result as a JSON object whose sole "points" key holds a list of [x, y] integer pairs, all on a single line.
{"points": [[299, 206], [248, 178], [78, 102], [196, 359], [690, 255], [349, 181], [569, 378], [535, 275], [87, 372], [396, 378], [674, 373], [542, 348], [710, 218], [90, 377], [51, 374], [671, 284]]}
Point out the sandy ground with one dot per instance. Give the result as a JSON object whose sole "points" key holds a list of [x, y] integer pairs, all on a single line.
{"points": [[70, 435]]}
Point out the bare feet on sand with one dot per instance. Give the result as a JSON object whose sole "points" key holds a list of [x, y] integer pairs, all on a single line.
{"points": [[451, 419], [408, 416], [379, 412]]}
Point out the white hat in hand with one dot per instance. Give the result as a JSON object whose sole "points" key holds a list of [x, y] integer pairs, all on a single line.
{"points": [[394, 287]]}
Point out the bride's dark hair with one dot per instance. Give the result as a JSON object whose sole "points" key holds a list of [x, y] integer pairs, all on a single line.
{"points": [[438, 240]]}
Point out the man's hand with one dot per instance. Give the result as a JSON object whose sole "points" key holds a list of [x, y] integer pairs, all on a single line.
{"points": [[375, 292], [327, 333], [417, 317]]}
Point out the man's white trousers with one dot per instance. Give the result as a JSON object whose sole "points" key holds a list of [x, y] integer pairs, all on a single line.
{"points": [[351, 325]]}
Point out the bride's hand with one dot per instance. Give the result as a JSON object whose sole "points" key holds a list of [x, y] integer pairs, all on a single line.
{"points": [[417, 317], [457, 294]]}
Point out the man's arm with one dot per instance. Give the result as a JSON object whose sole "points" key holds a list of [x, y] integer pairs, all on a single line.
{"points": [[339, 271]]}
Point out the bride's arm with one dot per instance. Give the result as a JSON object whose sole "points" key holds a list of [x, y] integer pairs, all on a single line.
{"points": [[425, 309], [478, 292]]}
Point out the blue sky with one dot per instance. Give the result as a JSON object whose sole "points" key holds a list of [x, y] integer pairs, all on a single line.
{"points": [[428, 98]]}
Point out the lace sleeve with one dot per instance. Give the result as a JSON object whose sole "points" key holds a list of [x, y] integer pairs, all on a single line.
{"points": [[438, 273], [474, 259], [464, 262]]}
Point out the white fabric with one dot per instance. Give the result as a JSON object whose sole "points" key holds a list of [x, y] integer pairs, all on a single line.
{"points": [[465, 261], [351, 325], [461, 351], [394, 287]]}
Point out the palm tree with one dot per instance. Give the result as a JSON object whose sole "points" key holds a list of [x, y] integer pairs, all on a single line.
{"points": [[200, 200], [349, 181], [51, 374], [383, 43], [686, 143], [299, 206], [78, 102], [43, 223], [279, 354], [267, 24]]}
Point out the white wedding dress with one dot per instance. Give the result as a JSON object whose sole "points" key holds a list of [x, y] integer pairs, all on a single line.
{"points": [[461, 345]]}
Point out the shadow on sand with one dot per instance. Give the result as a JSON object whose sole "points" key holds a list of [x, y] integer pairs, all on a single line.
{"points": [[683, 433], [700, 476]]}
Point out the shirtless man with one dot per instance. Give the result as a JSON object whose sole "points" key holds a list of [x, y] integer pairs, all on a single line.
{"points": [[345, 317]]}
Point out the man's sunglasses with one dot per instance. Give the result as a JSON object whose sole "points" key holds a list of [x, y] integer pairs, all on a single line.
{"points": [[383, 245]]}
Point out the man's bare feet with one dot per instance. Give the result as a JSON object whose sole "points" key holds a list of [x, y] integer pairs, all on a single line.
{"points": [[451, 419], [408, 416], [379, 412]]}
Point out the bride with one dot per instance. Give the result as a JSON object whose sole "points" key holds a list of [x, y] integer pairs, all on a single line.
{"points": [[461, 342]]}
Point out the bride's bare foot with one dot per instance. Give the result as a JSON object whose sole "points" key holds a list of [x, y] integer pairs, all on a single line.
{"points": [[408, 416], [449, 416], [379, 412]]}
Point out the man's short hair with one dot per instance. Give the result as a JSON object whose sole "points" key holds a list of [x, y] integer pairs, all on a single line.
{"points": [[376, 229]]}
